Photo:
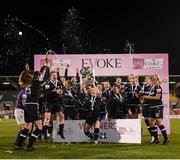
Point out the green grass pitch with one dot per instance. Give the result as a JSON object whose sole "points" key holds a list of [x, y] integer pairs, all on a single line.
{"points": [[9, 129]]}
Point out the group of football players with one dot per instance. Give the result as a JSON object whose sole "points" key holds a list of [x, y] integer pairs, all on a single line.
{"points": [[45, 96]]}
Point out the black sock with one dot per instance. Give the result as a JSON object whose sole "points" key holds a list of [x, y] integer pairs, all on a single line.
{"points": [[34, 136], [156, 126], [154, 132], [44, 131], [50, 129], [96, 133], [22, 137], [17, 138], [163, 131], [61, 127], [90, 135], [148, 126]]}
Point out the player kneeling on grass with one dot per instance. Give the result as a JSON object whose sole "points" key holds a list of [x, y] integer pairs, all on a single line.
{"points": [[93, 106], [156, 109], [25, 80], [32, 113]]}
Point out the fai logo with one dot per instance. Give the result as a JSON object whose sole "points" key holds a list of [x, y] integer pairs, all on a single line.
{"points": [[126, 130], [61, 63], [140, 63]]}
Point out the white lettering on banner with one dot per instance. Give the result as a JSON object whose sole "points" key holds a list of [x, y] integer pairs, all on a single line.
{"points": [[102, 63], [60, 63], [117, 131], [153, 63]]}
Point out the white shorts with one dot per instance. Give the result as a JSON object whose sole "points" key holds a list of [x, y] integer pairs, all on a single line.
{"points": [[19, 115]]}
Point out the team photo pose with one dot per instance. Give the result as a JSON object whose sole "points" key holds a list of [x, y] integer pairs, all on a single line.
{"points": [[70, 100]]}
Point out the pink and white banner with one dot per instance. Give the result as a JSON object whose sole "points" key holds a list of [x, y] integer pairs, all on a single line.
{"points": [[116, 130], [115, 65]]}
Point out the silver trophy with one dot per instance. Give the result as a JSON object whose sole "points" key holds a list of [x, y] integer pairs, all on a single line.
{"points": [[87, 74]]}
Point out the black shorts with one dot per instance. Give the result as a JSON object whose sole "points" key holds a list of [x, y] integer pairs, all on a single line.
{"points": [[69, 111], [146, 111], [32, 113], [82, 114], [135, 108], [41, 107], [53, 107], [92, 117], [156, 112]]}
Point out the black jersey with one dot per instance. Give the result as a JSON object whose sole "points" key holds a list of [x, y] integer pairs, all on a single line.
{"points": [[93, 103], [69, 98], [50, 90], [117, 106], [145, 91], [132, 93], [77, 85], [106, 94], [33, 93], [157, 89]]}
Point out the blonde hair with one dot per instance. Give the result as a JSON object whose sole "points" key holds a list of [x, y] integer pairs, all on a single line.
{"points": [[135, 76], [106, 82], [155, 79]]}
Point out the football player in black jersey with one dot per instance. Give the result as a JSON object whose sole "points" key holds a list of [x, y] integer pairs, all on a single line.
{"points": [[83, 98], [69, 101], [106, 90], [117, 107], [132, 91], [106, 93], [32, 113], [53, 103], [93, 116], [156, 109], [146, 89]]}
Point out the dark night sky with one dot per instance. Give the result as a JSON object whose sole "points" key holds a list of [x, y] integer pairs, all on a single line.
{"points": [[153, 25]]}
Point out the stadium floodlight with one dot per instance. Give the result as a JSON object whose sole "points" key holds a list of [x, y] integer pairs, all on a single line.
{"points": [[172, 82], [6, 83], [20, 33]]}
